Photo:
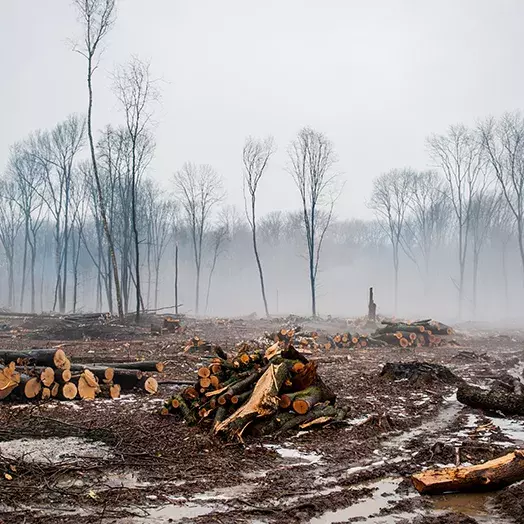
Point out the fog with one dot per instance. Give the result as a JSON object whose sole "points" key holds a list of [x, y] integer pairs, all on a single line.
{"points": [[422, 191]]}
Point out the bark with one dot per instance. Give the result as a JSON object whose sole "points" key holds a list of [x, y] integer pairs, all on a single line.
{"points": [[37, 357], [493, 400]]}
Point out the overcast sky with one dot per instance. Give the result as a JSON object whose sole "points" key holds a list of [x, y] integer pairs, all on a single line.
{"points": [[375, 76]]}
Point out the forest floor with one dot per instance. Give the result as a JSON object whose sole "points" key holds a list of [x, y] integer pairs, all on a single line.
{"points": [[119, 461]]}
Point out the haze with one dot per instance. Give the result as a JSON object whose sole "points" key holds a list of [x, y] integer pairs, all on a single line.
{"points": [[376, 78]]}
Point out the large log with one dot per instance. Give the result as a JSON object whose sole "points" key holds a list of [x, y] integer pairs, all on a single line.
{"points": [[127, 378], [491, 475], [35, 357], [144, 365], [496, 399]]}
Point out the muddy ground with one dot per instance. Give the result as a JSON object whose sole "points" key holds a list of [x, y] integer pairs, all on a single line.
{"points": [[119, 461]]}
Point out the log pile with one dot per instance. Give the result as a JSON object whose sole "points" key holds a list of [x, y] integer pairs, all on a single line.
{"points": [[257, 392], [43, 374], [401, 334]]}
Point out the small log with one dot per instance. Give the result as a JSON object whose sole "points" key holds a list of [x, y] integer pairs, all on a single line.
{"points": [[47, 377], [304, 401], [30, 387], [46, 393], [55, 389], [149, 384], [204, 372], [68, 391], [85, 390], [101, 372], [110, 391], [491, 475], [127, 378]]}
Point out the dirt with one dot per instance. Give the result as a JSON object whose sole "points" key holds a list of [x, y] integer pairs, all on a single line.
{"points": [[119, 461]]}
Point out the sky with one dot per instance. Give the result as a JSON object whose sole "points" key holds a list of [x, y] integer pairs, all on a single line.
{"points": [[375, 76]]}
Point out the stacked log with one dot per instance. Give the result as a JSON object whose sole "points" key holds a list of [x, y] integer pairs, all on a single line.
{"points": [[258, 392], [43, 374]]}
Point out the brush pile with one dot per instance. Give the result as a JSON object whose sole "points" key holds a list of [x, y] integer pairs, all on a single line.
{"points": [[258, 392], [42, 374]]}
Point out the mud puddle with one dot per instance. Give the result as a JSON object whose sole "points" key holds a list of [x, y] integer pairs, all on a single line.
{"points": [[383, 497], [53, 450]]}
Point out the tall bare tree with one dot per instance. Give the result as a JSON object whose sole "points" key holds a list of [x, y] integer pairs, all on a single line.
{"points": [[503, 142], [312, 157], [97, 17], [11, 219], [136, 91], [25, 170], [459, 154], [390, 199], [199, 188], [255, 156]]}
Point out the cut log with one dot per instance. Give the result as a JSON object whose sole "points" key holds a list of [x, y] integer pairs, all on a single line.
{"points": [[90, 378], [68, 391], [85, 390], [493, 400], [306, 399], [36, 357], [30, 387], [204, 372], [103, 373], [110, 391], [149, 384], [141, 365], [47, 377], [9, 380], [46, 393], [127, 378], [491, 475], [55, 389], [262, 402]]}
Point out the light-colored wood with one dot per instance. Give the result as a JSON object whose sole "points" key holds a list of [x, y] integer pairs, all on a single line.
{"points": [[490, 475]]}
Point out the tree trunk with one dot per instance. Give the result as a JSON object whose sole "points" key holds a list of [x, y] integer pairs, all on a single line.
{"points": [[99, 191], [176, 279], [505, 277], [492, 400], [24, 264], [257, 256]]}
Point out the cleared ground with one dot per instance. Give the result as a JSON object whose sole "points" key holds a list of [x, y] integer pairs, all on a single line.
{"points": [[119, 461]]}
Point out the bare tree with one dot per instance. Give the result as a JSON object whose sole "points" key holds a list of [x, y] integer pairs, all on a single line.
{"points": [[429, 215], [217, 240], [312, 157], [25, 170], [390, 199], [503, 142], [199, 189], [483, 208], [11, 219], [255, 156], [135, 90], [459, 155], [97, 17]]}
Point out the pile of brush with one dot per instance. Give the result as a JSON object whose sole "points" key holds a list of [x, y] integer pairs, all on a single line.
{"points": [[48, 373], [257, 392]]}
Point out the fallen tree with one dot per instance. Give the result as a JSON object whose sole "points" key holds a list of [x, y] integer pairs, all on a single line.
{"points": [[491, 475], [496, 399]]}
